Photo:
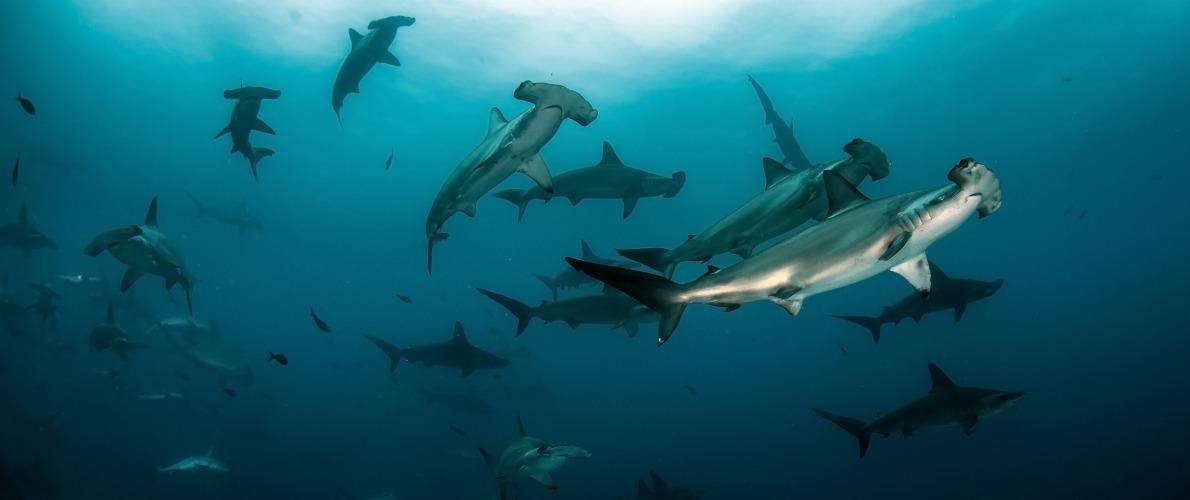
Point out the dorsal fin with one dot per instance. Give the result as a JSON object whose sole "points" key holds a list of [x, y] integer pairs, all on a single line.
{"points": [[111, 314], [151, 217], [23, 217], [710, 270], [459, 336], [938, 380], [841, 195], [658, 483], [642, 489], [691, 236], [774, 171], [610, 159], [520, 426], [354, 35], [587, 253], [211, 451], [496, 120], [936, 273]]}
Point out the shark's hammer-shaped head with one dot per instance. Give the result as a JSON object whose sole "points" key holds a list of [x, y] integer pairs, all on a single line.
{"points": [[544, 95], [869, 155], [998, 402], [392, 22], [109, 239], [977, 180]]}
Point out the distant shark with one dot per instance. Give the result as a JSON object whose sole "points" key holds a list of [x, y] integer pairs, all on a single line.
{"points": [[45, 305], [238, 217], [454, 353], [21, 234], [946, 404], [859, 239], [661, 490], [469, 402], [207, 355], [789, 200], [145, 250], [244, 121], [945, 293], [569, 278], [366, 51], [109, 336], [509, 147], [782, 132], [529, 457], [615, 309], [610, 179], [198, 463], [187, 329]]}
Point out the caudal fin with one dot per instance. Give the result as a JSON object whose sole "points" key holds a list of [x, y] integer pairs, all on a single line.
{"points": [[516, 197], [854, 426], [393, 353], [656, 258], [519, 309], [431, 241], [872, 324], [656, 292]]}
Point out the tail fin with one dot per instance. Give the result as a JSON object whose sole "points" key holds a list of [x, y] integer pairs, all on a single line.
{"points": [[656, 258], [516, 197], [872, 324], [393, 353], [548, 282], [854, 426], [656, 292], [433, 240], [257, 155], [519, 309], [679, 178]]}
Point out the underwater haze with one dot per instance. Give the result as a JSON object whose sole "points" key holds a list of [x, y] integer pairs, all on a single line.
{"points": [[1080, 110]]}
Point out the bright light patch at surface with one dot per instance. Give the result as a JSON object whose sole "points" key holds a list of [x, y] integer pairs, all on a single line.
{"points": [[597, 42]]}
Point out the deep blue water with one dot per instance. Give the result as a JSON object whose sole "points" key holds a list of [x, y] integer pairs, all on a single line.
{"points": [[1081, 111]]}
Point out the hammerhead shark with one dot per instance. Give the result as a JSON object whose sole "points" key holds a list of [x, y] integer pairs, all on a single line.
{"points": [[782, 132], [945, 293], [454, 353], [238, 217], [610, 179], [529, 457], [569, 278], [244, 121], [946, 404], [21, 234], [509, 147], [859, 239], [662, 490], [789, 200], [109, 336], [615, 309], [366, 51], [145, 250]]}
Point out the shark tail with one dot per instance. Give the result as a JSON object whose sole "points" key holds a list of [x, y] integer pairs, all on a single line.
{"points": [[433, 240], [679, 178], [199, 208], [257, 155], [872, 324], [854, 426], [518, 197], [656, 258], [522, 311], [656, 292], [548, 282]]}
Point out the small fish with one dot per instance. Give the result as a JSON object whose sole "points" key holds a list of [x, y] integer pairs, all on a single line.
{"points": [[319, 322], [212, 410], [844, 351], [26, 104], [265, 395], [182, 375], [16, 170], [1157, 177], [691, 390], [497, 376], [1083, 215], [389, 161], [1068, 79], [404, 298], [106, 373], [229, 391], [1068, 209], [458, 431], [493, 330], [281, 359]]}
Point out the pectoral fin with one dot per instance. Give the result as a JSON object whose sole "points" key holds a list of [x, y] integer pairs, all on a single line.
{"points": [[629, 205], [260, 126], [545, 479], [917, 272], [130, 276], [896, 245], [388, 58], [537, 170], [968, 422]]}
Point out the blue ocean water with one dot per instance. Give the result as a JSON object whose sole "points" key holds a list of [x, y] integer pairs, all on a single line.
{"points": [[1080, 109]]}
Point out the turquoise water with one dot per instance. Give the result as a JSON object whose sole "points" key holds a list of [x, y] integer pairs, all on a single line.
{"points": [[1081, 112]]}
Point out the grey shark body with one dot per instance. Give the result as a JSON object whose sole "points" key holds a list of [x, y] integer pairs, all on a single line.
{"points": [[45, 305], [946, 404], [615, 309], [206, 355], [244, 120], [569, 278], [662, 490], [610, 179], [782, 132], [21, 234], [145, 250], [187, 329], [366, 51], [859, 239], [788, 201], [455, 353], [945, 293], [238, 217], [469, 402], [509, 147], [529, 457], [109, 336], [198, 463]]}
